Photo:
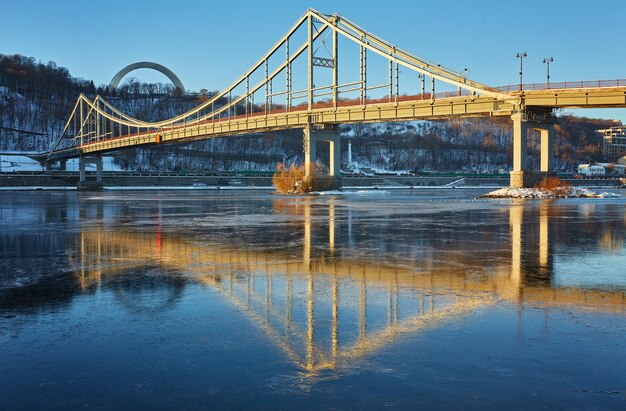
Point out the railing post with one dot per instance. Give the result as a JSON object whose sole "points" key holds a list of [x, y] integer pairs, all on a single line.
{"points": [[397, 80], [390, 79], [432, 88], [288, 75], [335, 68], [82, 122], [363, 79], [267, 87], [98, 130], [310, 62], [269, 101]]}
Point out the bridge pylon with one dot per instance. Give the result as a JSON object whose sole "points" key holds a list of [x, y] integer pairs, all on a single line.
{"points": [[523, 122], [313, 135]]}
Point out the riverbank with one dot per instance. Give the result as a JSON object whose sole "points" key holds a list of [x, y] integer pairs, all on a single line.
{"points": [[560, 192], [119, 180]]}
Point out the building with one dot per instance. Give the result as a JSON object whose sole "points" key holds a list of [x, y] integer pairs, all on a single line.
{"points": [[613, 142], [602, 169], [591, 170]]}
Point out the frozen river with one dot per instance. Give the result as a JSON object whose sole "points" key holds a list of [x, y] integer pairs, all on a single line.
{"points": [[364, 300]]}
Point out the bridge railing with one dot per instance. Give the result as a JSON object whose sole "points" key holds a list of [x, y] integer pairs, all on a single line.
{"points": [[564, 85], [280, 109]]}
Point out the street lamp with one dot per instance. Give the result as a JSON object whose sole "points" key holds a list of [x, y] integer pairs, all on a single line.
{"points": [[547, 62], [520, 56], [422, 78], [465, 71]]}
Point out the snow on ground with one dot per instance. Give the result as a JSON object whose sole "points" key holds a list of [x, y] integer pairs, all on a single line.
{"points": [[573, 192], [357, 167], [371, 192], [16, 162]]}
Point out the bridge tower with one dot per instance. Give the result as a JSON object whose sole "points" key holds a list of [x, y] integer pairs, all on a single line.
{"points": [[523, 122], [325, 133]]}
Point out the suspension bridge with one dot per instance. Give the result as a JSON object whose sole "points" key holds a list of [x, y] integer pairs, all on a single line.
{"points": [[304, 82]]}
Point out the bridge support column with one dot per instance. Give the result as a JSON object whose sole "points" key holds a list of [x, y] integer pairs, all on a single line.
{"points": [[310, 138], [83, 183], [99, 167], [547, 148], [309, 148], [48, 165], [81, 171], [524, 121]]}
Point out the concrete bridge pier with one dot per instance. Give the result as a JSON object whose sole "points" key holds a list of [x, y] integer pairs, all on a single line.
{"points": [[523, 122], [311, 137], [83, 183], [48, 165]]}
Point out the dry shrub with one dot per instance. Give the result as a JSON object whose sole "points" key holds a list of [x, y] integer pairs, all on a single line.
{"points": [[555, 185], [286, 180], [292, 180]]}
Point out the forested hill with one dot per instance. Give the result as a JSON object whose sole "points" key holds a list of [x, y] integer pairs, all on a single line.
{"points": [[36, 98]]}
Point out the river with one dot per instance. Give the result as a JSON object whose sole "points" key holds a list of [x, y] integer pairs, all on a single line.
{"points": [[361, 300]]}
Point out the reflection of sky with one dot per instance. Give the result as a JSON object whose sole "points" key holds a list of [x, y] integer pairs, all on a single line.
{"points": [[598, 270], [235, 300]]}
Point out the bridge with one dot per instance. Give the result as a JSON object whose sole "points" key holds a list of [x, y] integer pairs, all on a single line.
{"points": [[296, 85]]}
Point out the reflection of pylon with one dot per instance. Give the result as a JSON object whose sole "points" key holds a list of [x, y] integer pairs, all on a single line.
{"points": [[325, 312]]}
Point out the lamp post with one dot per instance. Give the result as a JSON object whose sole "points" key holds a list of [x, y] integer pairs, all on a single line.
{"points": [[465, 71], [547, 62], [422, 78], [520, 56]]}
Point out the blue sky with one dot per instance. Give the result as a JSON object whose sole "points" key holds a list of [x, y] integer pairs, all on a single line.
{"points": [[208, 44]]}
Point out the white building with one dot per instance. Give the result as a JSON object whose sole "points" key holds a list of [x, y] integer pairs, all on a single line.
{"points": [[602, 169], [591, 170]]}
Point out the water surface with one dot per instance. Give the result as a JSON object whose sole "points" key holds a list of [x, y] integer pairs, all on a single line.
{"points": [[366, 300]]}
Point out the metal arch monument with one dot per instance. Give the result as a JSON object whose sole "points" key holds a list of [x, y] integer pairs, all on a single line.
{"points": [[115, 82]]}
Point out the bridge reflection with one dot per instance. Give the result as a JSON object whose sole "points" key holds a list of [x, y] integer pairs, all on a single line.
{"points": [[325, 306]]}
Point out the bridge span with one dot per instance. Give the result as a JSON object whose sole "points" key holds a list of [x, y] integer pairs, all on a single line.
{"points": [[316, 101]]}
